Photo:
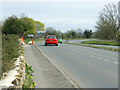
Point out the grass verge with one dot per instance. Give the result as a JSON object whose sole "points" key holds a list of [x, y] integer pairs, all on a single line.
{"points": [[112, 43], [35, 40], [80, 39], [100, 47], [28, 81]]}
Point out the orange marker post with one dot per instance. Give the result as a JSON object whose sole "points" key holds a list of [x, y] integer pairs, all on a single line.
{"points": [[32, 42]]}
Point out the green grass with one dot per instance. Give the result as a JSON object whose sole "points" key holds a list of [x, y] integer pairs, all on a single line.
{"points": [[79, 39], [35, 40], [28, 80], [100, 47], [27, 40], [112, 43]]}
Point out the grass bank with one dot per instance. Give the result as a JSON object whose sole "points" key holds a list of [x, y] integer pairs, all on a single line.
{"points": [[35, 40], [112, 43], [100, 47]]}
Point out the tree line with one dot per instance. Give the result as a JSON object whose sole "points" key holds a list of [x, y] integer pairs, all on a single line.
{"points": [[70, 34]]}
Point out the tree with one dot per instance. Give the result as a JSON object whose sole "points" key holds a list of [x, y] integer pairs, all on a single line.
{"points": [[88, 33], [52, 31], [74, 34], [107, 25], [49, 31], [12, 25], [79, 33], [0, 28], [28, 26], [39, 26], [21, 26]]}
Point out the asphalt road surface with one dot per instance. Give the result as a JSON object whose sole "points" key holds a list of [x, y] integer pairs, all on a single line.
{"points": [[89, 67], [45, 75]]}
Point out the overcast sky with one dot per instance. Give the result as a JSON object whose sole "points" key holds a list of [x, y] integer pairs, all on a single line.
{"points": [[60, 14]]}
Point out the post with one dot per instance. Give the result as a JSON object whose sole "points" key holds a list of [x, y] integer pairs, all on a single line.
{"points": [[32, 42]]}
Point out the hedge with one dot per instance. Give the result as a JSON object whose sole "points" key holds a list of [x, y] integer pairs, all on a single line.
{"points": [[10, 51]]}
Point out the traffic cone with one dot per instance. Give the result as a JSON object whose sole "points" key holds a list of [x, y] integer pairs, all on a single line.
{"points": [[22, 41]]}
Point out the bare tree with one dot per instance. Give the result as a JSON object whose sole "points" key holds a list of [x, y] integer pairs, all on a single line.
{"points": [[107, 25]]}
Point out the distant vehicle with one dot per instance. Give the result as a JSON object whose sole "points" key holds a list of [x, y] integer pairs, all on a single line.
{"points": [[59, 40], [51, 39]]}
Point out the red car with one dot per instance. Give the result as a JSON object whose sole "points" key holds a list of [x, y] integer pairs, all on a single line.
{"points": [[51, 39]]}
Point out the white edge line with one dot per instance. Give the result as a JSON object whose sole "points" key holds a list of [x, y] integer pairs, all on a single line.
{"points": [[65, 74]]}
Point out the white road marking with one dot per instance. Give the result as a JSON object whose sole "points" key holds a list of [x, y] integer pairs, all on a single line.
{"points": [[106, 60], [87, 54], [115, 62]]}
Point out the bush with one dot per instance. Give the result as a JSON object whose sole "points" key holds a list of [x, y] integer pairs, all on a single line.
{"points": [[10, 50]]}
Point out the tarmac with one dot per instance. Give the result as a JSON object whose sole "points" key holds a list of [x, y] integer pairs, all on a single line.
{"points": [[46, 75]]}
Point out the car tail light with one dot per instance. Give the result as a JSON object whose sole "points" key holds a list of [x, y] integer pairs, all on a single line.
{"points": [[55, 39], [47, 39]]}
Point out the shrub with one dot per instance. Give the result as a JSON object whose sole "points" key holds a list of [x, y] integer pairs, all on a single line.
{"points": [[10, 50]]}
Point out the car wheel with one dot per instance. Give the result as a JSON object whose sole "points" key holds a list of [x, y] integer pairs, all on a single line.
{"points": [[56, 44], [45, 44], [61, 42]]}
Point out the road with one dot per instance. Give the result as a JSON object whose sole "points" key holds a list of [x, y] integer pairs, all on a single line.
{"points": [[45, 75], [89, 67]]}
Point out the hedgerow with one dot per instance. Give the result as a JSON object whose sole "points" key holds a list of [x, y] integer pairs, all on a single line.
{"points": [[10, 51]]}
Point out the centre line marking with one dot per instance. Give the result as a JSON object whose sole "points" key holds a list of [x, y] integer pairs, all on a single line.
{"points": [[115, 62], [106, 60]]}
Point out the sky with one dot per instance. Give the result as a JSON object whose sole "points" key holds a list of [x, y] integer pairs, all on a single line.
{"points": [[62, 15]]}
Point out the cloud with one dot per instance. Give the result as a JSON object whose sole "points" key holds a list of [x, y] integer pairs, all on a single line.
{"points": [[69, 20], [65, 24], [82, 1]]}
